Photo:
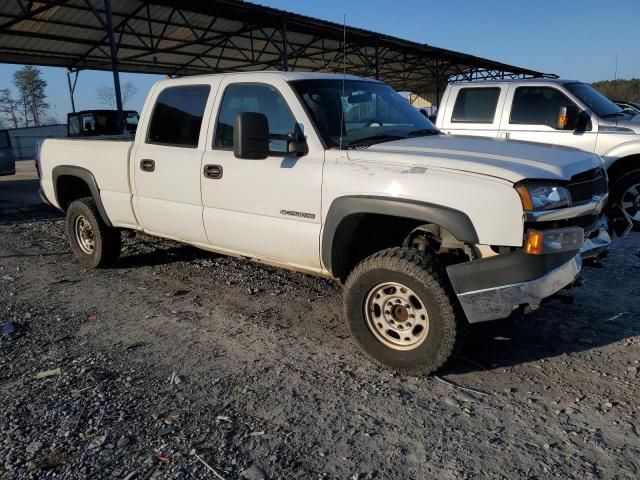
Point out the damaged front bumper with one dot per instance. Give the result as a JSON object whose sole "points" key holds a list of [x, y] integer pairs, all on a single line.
{"points": [[492, 288]]}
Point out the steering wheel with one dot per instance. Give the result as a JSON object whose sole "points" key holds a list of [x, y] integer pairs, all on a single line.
{"points": [[368, 122]]}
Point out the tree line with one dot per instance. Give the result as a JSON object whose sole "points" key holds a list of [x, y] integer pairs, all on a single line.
{"points": [[25, 105], [620, 90]]}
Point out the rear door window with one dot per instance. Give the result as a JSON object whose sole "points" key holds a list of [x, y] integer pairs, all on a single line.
{"points": [[475, 105], [537, 106], [177, 116]]}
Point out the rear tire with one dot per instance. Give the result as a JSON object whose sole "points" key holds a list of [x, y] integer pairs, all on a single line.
{"points": [[93, 243], [401, 311], [625, 192]]}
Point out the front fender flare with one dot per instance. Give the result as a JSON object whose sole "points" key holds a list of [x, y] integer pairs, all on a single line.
{"points": [[618, 152], [455, 221]]}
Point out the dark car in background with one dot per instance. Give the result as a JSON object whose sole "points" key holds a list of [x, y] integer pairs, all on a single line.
{"points": [[7, 158], [97, 123], [632, 108]]}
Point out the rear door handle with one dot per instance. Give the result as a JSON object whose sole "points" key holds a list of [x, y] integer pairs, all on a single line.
{"points": [[213, 171], [147, 165]]}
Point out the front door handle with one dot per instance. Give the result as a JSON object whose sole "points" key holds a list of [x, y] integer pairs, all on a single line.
{"points": [[147, 165], [213, 171]]}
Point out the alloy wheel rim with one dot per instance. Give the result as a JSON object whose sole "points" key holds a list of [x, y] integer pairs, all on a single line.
{"points": [[631, 202], [84, 235], [396, 316]]}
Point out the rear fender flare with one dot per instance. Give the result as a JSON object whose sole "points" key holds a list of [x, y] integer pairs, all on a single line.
{"points": [[88, 178]]}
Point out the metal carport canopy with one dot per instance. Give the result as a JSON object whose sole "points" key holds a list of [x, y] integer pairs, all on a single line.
{"points": [[187, 37]]}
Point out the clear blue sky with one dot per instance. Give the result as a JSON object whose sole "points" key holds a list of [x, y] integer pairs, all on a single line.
{"points": [[575, 39]]}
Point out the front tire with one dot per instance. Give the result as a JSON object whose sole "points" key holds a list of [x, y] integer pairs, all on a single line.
{"points": [[400, 311], [93, 243], [625, 192]]}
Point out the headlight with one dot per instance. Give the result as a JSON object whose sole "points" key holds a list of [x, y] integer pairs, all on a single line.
{"points": [[538, 196]]}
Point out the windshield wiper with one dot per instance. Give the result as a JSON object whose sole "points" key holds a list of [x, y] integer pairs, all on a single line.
{"points": [[423, 132], [373, 139]]}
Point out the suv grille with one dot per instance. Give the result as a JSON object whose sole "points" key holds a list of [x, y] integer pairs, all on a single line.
{"points": [[587, 184]]}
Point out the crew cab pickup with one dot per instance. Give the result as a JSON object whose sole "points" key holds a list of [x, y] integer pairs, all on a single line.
{"points": [[340, 177], [554, 111]]}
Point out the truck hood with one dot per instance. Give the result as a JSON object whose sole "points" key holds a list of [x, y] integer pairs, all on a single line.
{"points": [[506, 159], [626, 122]]}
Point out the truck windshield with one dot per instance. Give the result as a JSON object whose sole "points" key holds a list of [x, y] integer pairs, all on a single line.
{"points": [[356, 113], [601, 105], [4, 140]]}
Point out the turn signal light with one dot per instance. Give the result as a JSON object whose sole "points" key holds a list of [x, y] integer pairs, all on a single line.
{"points": [[534, 243], [542, 242]]}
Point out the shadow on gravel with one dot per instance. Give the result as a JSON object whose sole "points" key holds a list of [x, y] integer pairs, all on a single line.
{"points": [[155, 255], [551, 332]]}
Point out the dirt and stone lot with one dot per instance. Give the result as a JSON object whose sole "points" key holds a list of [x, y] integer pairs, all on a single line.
{"points": [[179, 363]]}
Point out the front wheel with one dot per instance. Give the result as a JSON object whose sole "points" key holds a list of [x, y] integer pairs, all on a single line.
{"points": [[91, 240], [400, 311], [625, 192]]}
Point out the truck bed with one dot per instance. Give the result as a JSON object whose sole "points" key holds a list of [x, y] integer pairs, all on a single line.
{"points": [[107, 159]]}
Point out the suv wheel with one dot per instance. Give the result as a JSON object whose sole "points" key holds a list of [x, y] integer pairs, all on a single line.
{"points": [[626, 193], [92, 241], [400, 311]]}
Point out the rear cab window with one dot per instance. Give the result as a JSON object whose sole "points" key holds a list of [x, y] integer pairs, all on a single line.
{"points": [[176, 120], [473, 108], [476, 105]]}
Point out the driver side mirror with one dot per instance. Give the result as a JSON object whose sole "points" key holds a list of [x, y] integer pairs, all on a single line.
{"points": [[568, 118], [297, 143], [251, 136]]}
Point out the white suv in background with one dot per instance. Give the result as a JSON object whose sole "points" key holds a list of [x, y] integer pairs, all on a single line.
{"points": [[553, 111]]}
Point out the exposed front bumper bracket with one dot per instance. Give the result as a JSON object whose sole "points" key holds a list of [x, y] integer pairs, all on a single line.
{"points": [[498, 302]]}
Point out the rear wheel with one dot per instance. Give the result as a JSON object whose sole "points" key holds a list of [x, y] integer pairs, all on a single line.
{"points": [[92, 241], [400, 311], [625, 192]]}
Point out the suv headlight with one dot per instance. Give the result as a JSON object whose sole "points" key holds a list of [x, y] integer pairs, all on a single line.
{"points": [[540, 196]]}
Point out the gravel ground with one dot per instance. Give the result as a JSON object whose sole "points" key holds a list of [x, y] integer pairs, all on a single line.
{"points": [[177, 359]]}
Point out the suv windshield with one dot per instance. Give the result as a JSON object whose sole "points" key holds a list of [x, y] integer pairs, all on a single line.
{"points": [[601, 105], [354, 113], [4, 140]]}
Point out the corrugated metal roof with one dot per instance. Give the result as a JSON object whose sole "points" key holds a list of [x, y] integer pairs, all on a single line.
{"points": [[185, 37]]}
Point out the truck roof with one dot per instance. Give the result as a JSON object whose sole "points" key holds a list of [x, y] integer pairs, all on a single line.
{"points": [[287, 76], [518, 80]]}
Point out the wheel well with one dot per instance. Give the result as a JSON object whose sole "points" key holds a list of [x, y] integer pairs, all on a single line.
{"points": [[69, 188], [622, 166], [362, 234]]}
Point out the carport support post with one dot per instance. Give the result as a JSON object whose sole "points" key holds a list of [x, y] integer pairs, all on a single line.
{"points": [[71, 89], [285, 52], [114, 61]]}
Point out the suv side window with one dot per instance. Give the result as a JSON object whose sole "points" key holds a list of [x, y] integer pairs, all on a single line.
{"points": [[475, 105], [537, 105], [177, 116], [248, 97]]}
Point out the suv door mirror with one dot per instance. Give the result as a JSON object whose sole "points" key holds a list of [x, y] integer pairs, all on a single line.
{"points": [[297, 143], [251, 136], [583, 123]]}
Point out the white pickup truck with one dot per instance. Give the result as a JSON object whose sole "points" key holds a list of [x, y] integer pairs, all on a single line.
{"points": [[557, 112], [340, 177]]}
